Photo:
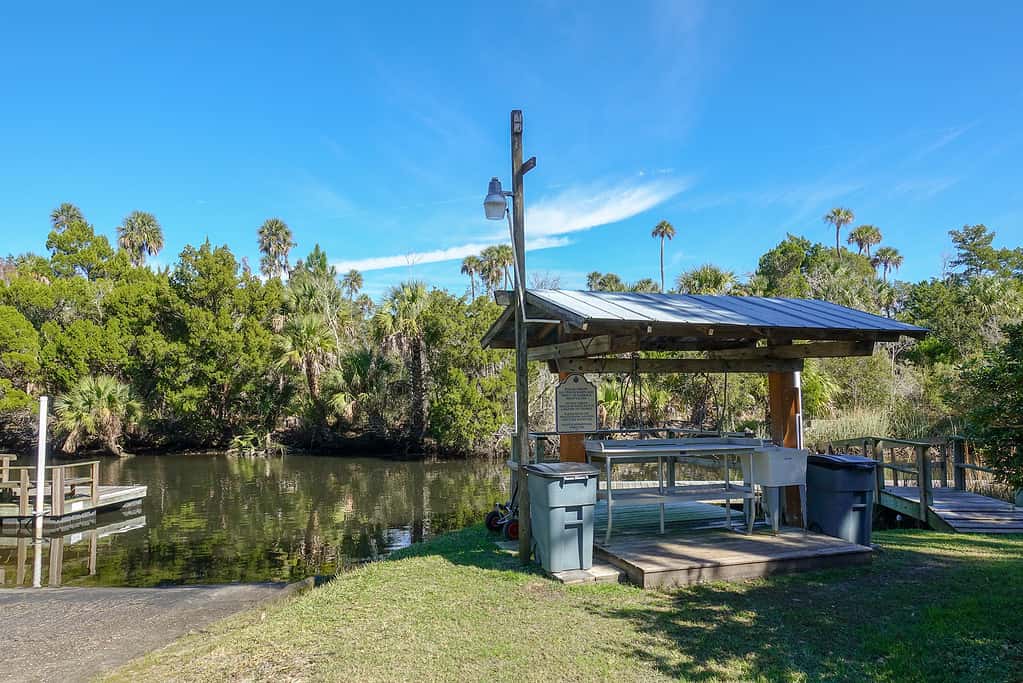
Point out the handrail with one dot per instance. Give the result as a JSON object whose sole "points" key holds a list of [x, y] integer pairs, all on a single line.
{"points": [[62, 466], [905, 469], [970, 466], [643, 430], [878, 439], [922, 471], [956, 446], [57, 483]]}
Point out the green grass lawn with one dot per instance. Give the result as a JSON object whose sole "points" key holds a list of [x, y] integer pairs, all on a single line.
{"points": [[931, 607]]}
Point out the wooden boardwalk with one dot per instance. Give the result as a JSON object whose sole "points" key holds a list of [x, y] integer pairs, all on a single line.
{"points": [[957, 511], [681, 559]]}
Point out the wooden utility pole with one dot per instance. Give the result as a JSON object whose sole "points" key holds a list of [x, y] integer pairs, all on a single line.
{"points": [[784, 404], [521, 441]]}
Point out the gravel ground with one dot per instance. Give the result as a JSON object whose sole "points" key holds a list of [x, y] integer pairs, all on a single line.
{"points": [[73, 634]]}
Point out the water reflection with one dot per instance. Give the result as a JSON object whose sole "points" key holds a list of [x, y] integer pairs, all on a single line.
{"points": [[219, 518], [44, 562]]}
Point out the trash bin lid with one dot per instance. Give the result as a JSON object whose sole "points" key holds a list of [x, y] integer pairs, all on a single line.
{"points": [[562, 470], [841, 461]]}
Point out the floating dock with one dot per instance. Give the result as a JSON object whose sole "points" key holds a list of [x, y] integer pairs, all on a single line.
{"points": [[72, 495]]}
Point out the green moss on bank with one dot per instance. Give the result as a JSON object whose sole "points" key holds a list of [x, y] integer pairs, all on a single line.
{"points": [[931, 607]]}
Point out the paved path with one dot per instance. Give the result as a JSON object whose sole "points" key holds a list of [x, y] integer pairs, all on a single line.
{"points": [[73, 634]]}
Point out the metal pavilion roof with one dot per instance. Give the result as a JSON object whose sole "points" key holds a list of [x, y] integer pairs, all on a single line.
{"points": [[716, 320]]}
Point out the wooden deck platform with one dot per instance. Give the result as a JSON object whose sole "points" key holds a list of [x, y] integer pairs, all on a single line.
{"points": [[680, 559], [77, 509], [957, 511]]}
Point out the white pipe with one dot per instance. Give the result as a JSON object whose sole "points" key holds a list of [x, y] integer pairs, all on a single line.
{"points": [[37, 563], [37, 553], [799, 409], [41, 464]]}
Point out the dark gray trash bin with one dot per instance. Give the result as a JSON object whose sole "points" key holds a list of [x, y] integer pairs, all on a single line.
{"points": [[562, 496], [840, 496]]}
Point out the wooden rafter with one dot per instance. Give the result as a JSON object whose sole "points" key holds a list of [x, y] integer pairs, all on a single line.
{"points": [[834, 349], [581, 348], [678, 365]]}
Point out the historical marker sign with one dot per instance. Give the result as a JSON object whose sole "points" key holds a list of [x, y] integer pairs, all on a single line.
{"points": [[576, 405]]}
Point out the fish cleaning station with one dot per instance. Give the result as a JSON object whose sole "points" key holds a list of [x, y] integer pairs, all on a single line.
{"points": [[566, 506]]}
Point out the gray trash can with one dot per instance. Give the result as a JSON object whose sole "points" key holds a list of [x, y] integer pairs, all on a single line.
{"points": [[840, 496], [562, 496]]}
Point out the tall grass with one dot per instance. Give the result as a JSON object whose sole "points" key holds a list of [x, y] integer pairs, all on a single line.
{"points": [[855, 423]]}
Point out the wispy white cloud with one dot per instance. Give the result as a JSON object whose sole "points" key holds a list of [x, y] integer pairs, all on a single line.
{"points": [[584, 207], [799, 196], [923, 187], [415, 258], [549, 219], [947, 137]]}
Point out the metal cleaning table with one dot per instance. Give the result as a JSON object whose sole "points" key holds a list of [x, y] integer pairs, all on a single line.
{"points": [[667, 453]]}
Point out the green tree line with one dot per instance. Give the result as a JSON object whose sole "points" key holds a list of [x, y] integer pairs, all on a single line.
{"points": [[205, 352]]}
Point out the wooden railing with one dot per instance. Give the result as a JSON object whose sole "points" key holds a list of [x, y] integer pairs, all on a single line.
{"points": [[960, 446], [922, 468], [63, 482]]}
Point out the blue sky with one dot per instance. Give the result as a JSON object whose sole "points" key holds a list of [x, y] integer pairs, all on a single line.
{"points": [[373, 130]]}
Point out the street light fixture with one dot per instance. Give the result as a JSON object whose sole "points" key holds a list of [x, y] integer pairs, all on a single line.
{"points": [[496, 203]]}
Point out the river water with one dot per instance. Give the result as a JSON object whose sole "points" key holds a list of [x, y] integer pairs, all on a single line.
{"points": [[218, 518]]}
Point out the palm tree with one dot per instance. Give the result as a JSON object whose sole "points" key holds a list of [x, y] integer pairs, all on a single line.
{"points": [[495, 262], [888, 258], [398, 324], [471, 265], [64, 215], [304, 343], [140, 234], [839, 217], [359, 386], [505, 259], [275, 242], [644, 285], [663, 230], [864, 237], [97, 408], [607, 282], [707, 279], [352, 283]]}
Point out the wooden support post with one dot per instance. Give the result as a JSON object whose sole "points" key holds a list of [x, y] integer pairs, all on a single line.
{"points": [[878, 454], [895, 473], [57, 492], [94, 490], [923, 480], [19, 574], [959, 458], [56, 562], [943, 454], [93, 541], [783, 399], [23, 494], [521, 352]]}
